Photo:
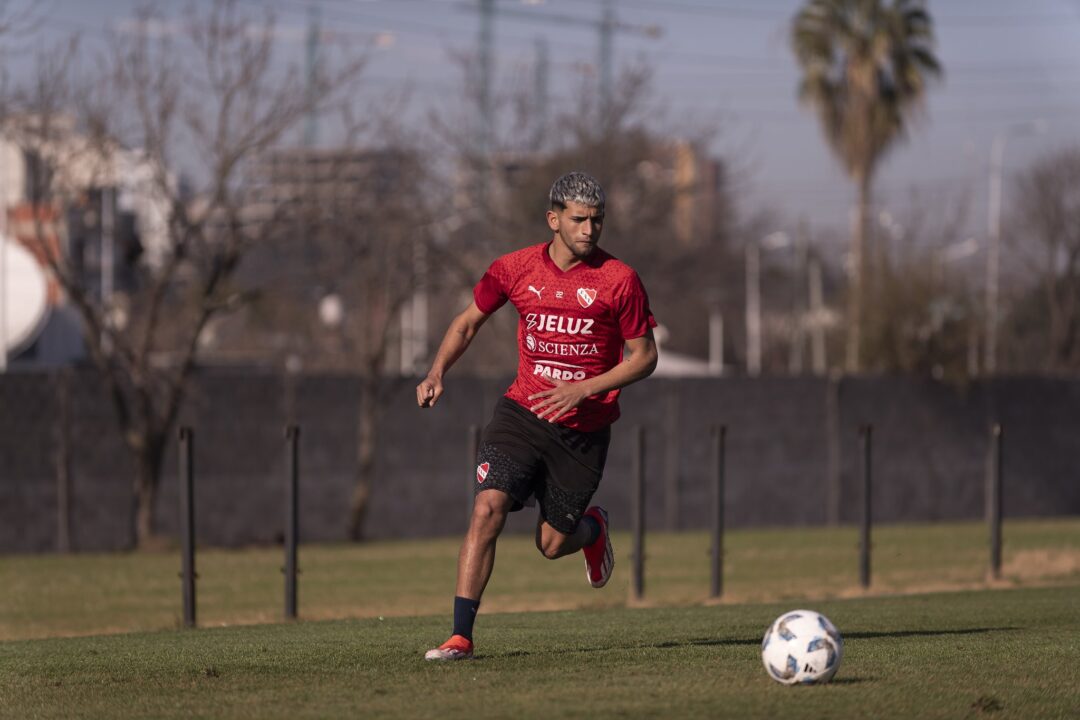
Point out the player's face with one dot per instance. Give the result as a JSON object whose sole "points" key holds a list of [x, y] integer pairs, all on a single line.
{"points": [[578, 227]]}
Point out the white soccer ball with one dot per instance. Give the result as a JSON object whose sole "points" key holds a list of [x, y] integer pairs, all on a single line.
{"points": [[802, 646]]}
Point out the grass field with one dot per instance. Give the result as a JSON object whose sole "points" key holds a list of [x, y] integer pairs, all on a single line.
{"points": [[123, 592], [1000, 653], [1007, 650]]}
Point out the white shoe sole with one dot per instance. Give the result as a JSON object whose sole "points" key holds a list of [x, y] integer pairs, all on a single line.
{"points": [[609, 556], [440, 654]]}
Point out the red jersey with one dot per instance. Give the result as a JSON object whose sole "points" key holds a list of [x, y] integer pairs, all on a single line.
{"points": [[573, 323]]}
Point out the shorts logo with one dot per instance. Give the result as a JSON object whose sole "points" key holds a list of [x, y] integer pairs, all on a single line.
{"points": [[585, 296], [482, 471]]}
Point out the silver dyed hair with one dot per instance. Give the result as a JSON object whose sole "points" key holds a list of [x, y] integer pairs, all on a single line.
{"points": [[577, 187]]}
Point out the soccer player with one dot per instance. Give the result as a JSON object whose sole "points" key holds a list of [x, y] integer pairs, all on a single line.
{"points": [[548, 438]]}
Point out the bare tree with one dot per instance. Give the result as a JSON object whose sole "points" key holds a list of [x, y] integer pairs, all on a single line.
{"points": [[18, 18], [1044, 324], [340, 298], [203, 97], [921, 315]]}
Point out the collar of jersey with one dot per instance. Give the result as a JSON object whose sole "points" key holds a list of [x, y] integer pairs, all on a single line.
{"points": [[592, 261]]}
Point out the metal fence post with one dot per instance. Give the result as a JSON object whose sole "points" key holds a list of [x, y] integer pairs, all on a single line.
{"points": [[671, 459], [865, 437], [63, 462], [637, 585], [292, 517], [993, 499], [187, 523], [717, 589]]}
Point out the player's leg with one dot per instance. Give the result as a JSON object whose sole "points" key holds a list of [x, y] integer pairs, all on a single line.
{"points": [[505, 473], [475, 563], [574, 463], [554, 544], [557, 535], [477, 556]]}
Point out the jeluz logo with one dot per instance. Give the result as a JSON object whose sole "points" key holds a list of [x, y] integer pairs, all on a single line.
{"points": [[559, 324], [482, 471], [565, 371]]}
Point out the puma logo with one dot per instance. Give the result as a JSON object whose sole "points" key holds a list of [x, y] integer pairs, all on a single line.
{"points": [[532, 289]]}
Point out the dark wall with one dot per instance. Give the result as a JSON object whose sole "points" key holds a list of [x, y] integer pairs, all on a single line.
{"points": [[930, 449]]}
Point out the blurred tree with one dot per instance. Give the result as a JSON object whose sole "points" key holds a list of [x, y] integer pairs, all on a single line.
{"points": [[19, 17], [924, 318], [205, 97], [340, 300], [865, 66], [1043, 326]]}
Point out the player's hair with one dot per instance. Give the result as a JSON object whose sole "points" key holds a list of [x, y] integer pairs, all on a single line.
{"points": [[577, 187]]}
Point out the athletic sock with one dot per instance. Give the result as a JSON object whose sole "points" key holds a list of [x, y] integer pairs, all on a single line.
{"points": [[594, 529], [464, 616]]}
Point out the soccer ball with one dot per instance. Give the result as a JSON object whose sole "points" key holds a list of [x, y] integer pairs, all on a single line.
{"points": [[802, 646]]}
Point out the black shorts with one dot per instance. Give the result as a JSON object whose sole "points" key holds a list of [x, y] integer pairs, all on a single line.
{"points": [[524, 456]]}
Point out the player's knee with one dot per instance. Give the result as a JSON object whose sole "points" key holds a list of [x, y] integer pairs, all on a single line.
{"points": [[551, 547], [487, 516]]}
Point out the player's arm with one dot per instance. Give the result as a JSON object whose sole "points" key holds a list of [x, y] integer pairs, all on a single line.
{"points": [[462, 330], [638, 363]]}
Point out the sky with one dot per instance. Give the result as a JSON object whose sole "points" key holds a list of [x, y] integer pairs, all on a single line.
{"points": [[728, 64]]}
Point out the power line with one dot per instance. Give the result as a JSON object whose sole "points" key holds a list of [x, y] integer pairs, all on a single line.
{"points": [[757, 12]]}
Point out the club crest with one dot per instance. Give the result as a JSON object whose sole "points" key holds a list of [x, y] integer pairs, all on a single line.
{"points": [[482, 471], [586, 296]]}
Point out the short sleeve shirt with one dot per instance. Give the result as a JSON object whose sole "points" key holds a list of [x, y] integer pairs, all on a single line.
{"points": [[573, 323]]}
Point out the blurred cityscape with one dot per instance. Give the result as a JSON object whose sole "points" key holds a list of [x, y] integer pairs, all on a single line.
{"points": [[234, 185]]}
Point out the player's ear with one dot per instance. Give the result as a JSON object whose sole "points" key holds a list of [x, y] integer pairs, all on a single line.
{"points": [[553, 220]]}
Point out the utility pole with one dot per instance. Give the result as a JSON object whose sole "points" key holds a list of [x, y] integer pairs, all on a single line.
{"points": [[607, 31], [993, 273], [753, 309], [311, 127], [606, 26], [540, 92], [107, 255], [486, 43], [993, 249], [817, 316]]}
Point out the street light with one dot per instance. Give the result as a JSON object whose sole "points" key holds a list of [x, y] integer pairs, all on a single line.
{"points": [[993, 249], [773, 241]]}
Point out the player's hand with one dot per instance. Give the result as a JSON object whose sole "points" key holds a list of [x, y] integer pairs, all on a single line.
{"points": [[557, 401], [429, 391]]}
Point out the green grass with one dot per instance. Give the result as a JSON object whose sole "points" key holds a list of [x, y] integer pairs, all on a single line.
{"points": [[998, 653], [55, 595], [1004, 649]]}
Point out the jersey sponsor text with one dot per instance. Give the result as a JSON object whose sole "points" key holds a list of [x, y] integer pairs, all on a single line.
{"points": [[559, 324], [567, 372]]}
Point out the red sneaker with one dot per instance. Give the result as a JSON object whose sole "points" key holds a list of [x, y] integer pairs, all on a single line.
{"points": [[456, 648], [599, 557]]}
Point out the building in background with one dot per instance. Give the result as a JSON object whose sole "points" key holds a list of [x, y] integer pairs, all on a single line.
{"points": [[329, 227], [92, 202]]}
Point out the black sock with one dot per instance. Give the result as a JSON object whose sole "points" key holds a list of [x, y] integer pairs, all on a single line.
{"points": [[464, 616], [594, 529]]}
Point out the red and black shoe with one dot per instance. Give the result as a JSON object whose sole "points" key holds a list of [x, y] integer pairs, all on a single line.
{"points": [[599, 557]]}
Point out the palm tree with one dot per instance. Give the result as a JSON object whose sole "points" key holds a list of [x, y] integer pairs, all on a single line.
{"points": [[865, 67]]}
